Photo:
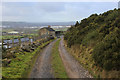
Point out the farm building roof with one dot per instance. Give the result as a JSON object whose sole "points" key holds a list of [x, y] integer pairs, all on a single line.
{"points": [[15, 32], [49, 29]]}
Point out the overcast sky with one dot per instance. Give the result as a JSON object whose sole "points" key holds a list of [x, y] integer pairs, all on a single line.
{"points": [[53, 11]]}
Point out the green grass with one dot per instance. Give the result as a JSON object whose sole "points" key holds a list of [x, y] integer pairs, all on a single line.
{"points": [[57, 65], [61, 29], [10, 37], [17, 36], [22, 64], [84, 56]]}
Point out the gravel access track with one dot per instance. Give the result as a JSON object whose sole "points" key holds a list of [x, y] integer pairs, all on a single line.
{"points": [[42, 67], [72, 66]]}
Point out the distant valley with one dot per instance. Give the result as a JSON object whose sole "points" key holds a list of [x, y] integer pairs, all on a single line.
{"points": [[29, 24]]}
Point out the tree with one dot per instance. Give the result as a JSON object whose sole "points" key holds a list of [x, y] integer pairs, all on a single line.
{"points": [[77, 24]]}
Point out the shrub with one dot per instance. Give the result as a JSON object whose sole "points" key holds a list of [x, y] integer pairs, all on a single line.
{"points": [[103, 31], [107, 54]]}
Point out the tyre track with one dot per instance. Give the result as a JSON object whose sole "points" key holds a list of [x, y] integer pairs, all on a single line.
{"points": [[73, 67], [42, 67]]}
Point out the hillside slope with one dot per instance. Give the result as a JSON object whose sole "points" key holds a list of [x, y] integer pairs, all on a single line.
{"points": [[101, 34]]}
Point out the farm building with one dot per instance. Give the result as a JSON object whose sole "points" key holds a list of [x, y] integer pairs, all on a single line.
{"points": [[13, 32], [46, 32], [4, 33]]}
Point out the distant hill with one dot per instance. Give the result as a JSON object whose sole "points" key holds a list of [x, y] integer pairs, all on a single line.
{"points": [[27, 24]]}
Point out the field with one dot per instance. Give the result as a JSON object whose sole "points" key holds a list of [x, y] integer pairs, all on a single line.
{"points": [[20, 66]]}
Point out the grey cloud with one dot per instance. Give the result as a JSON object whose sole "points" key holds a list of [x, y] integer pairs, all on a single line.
{"points": [[51, 6], [52, 11]]}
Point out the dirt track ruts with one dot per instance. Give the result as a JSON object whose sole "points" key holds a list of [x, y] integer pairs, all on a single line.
{"points": [[72, 66], [42, 67]]}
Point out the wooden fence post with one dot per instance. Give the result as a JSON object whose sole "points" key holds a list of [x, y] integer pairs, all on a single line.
{"points": [[30, 40], [34, 38], [2, 43], [7, 44], [13, 42], [19, 41]]}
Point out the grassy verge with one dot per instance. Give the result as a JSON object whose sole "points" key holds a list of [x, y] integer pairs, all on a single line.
{"points": [[21, 65], [84, 56], [57, 65]]}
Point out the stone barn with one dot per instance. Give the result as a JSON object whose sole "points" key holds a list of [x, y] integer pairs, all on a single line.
{"points": [[46, 32]]}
